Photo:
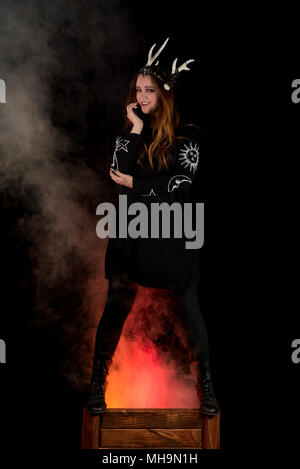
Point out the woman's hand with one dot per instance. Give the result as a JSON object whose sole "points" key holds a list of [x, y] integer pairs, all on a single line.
{"points": [[121, 178], [133, 117]]}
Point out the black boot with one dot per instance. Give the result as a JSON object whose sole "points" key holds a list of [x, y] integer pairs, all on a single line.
{"points": [[96, 397], [205, 391]]}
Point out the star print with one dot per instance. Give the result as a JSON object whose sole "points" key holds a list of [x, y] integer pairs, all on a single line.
{"points": [[121, 144]]}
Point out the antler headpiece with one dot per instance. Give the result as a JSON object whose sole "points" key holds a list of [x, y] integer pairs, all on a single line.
{"points": [[169, 79]]}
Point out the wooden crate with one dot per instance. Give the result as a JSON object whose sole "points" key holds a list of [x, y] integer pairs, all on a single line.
{"points": [[150, 428]]}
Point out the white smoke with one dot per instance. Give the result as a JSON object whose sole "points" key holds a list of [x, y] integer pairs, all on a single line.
{"points": [[58, 59]]}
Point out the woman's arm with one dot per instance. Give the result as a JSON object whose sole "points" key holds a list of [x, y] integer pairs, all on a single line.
{"points": [[127, 146], [126, 152]]}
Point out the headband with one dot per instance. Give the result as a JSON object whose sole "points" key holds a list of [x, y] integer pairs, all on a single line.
{"points": [[169, 79]]}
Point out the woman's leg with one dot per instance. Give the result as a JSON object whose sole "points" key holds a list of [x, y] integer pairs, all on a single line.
{"points": [[197, 333], [120, 298], [193, 320]]}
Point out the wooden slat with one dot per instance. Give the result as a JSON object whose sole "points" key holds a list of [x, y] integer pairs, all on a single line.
{"points": [[211, 432], [150, 428], [90, 431], [152, 418], [150, 438]]}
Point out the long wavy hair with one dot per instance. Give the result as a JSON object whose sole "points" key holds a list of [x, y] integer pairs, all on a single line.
{"points": [[166, 122]]}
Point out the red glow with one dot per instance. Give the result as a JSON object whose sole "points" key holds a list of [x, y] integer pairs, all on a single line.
{"points": [[141, 376]]}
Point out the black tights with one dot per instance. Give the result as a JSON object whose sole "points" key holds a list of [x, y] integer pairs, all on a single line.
{"points": [[120, 298]]}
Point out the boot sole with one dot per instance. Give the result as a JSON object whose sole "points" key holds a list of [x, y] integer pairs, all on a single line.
{"points": [[209, 414], [95, 412]]}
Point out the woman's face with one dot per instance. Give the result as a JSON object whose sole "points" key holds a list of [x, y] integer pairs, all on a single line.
{"points": [[147, 94]]}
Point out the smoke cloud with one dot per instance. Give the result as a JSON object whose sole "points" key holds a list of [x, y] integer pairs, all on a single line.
{"points": [[66, 65]]}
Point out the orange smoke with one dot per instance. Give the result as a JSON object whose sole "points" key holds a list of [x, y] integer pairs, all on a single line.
{"points": [[151, 367]]}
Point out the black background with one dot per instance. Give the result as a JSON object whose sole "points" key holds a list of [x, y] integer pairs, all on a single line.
{"points": [[239, 91]]}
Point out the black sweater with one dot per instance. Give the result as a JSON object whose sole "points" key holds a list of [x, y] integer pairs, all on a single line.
{"points": [[156, 262]]}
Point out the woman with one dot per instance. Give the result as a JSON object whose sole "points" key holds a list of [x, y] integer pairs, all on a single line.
{"points": [[155, 161]]}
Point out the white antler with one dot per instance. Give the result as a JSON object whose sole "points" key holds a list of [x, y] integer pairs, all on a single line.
{"points": [[174, 66], [154, 57], [182, 67]]}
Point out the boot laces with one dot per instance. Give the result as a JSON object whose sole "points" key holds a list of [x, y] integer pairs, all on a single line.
{"points": [[205, 380], [100, 371]]}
